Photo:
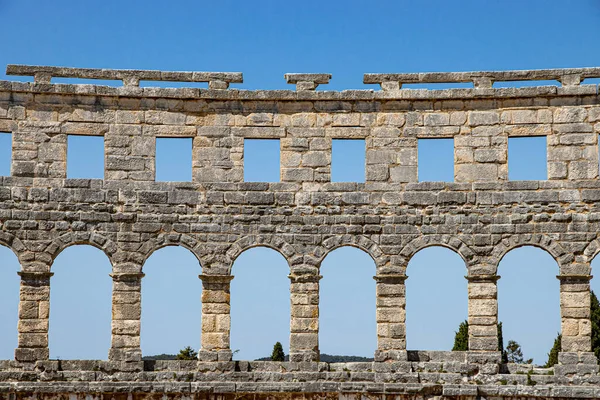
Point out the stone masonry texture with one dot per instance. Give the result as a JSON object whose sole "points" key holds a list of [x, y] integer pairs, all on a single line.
{"points": [[391, 216]]}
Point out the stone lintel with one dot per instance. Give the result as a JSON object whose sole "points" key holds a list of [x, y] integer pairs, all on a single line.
{"points": [[129, 77], [483, 79], [307, 81]]}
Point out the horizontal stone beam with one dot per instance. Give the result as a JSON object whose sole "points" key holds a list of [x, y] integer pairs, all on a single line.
{"points": [[307, 81], [483, 79], [129, 77]]}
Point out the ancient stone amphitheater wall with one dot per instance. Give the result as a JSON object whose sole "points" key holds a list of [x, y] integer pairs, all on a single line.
{"points": [[481, 215]]}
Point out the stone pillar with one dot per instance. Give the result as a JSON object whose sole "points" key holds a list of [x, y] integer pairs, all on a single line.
{"points": [[216, 318], [483, 312], [34, 313], [391, 317], [126, 317], [304, 321], [576, 327]]}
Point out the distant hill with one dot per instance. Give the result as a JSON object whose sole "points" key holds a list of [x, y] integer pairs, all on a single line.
{"points": [[160, 357], [324, 358]]}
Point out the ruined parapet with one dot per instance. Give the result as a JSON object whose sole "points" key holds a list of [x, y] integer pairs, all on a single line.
{"points": [[129, 77], [483, 79]]}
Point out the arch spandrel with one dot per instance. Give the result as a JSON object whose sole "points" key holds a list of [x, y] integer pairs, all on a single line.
{"points": [[14, 243], [591, 251]]}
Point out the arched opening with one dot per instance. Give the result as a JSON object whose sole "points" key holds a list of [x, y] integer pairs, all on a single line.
{"points": [[436, 298], [347, 324], [260, 303], [595, 305], [80, 304], [9, 302], [595, 281], [171, 302], [529, 301]]}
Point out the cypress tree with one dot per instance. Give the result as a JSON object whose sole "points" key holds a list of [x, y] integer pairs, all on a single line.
{"points": [[501, 344], [277, 354], [553, 355], [595, 318], [461, 338]]}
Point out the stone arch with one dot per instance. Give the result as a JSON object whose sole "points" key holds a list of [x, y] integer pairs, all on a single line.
{"points": [[171, 239], [551, 246], [14, 244], [248, 242], [450, 242], [360, 242], [69, 239], [591, 251]]}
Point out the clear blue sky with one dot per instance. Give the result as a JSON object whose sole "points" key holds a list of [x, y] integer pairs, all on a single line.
{"points": [[264, 40]]}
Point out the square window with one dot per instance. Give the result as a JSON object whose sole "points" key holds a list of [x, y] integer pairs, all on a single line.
{"points": [[435, 160], [85, 157], [5, 153], [348, 160], [527, 158], [261, 160], [173, 159]]}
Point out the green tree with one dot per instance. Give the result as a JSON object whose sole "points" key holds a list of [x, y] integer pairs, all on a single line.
{"points": [[514, 354], [461, 338], [595, 317], [501, 343], [277, 354], [187, 354], [553, 355]]}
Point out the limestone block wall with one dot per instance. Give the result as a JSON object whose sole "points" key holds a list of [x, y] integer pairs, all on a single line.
{"points": [[391, 216]]}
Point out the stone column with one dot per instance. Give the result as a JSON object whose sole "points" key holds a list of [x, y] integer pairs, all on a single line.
{"points": [[391, 317], [126, 317], [483, 312], [576, 326], [216, 318], [304, 320], [34, 313]]}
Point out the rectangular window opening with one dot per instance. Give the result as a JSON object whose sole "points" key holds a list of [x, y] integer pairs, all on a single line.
{"points": [[348, 160], [591, 81], [527, 160], [5, 153], [173, 159], [521, 84], [173, 84], [84, 81], [435, 160], [85, 157], [261, 160], [438, 85]]}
